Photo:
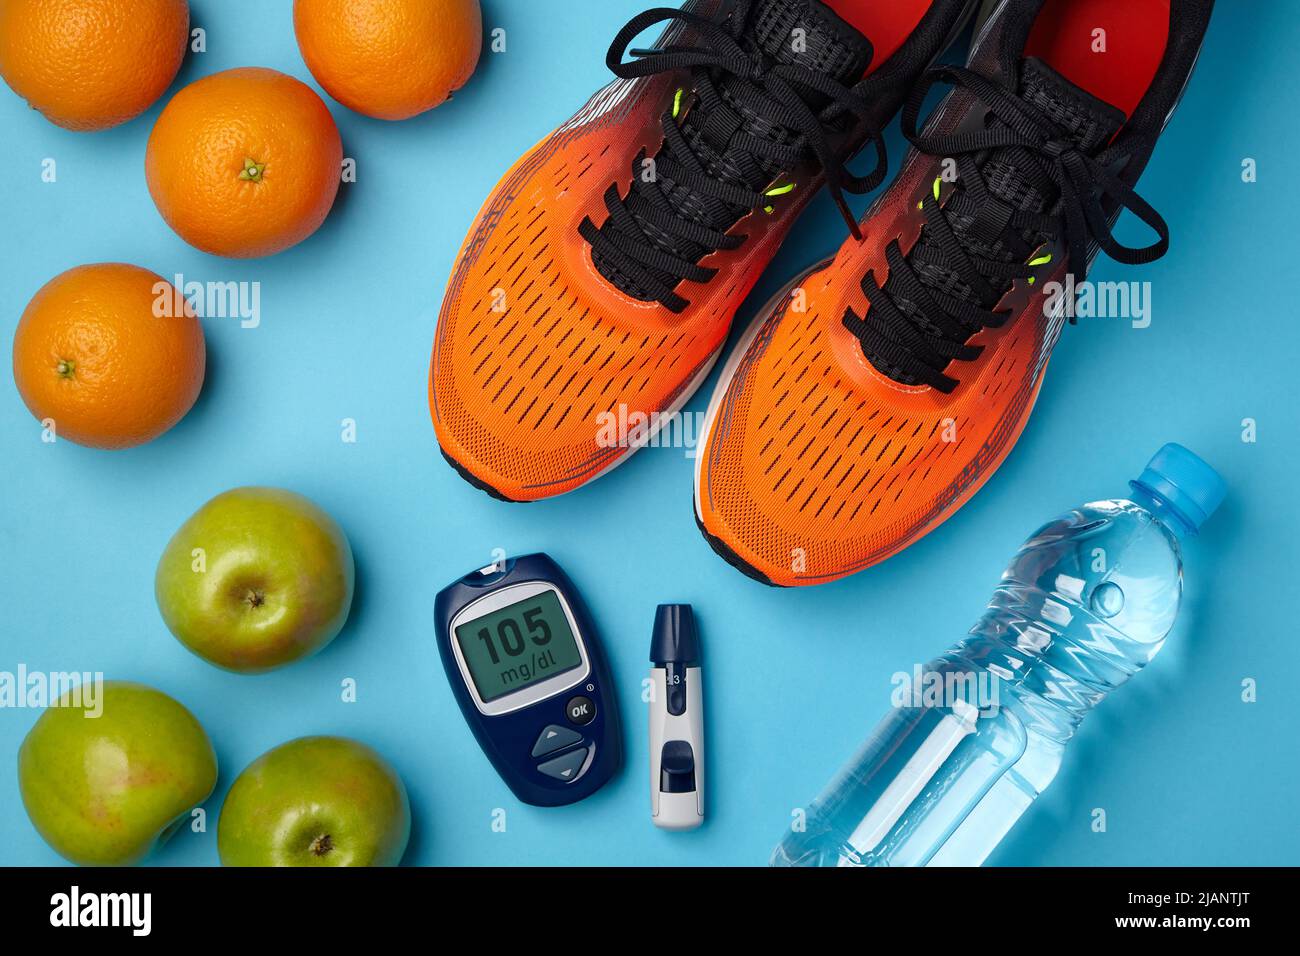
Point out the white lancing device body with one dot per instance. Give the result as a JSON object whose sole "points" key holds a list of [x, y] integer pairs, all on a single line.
{"points": [[683, 810]]}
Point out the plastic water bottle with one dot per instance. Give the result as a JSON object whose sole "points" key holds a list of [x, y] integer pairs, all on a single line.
{"points": [[979, 733]]}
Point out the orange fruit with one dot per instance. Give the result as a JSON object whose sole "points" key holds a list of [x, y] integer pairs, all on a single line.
{"points": [[112, 353], [92, 64], [389, 59], [244, 163]]}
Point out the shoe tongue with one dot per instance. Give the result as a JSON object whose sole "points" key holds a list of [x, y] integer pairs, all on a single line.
{"points": [[1090, 122], [806, 33], [827, 44]]}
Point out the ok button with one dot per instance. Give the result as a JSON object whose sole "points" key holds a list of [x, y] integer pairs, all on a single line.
{"points": [[580, 710]]}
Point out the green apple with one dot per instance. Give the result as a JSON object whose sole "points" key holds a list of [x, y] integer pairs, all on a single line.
{"points": [[255, 579], [315, 801], [106, 790]]}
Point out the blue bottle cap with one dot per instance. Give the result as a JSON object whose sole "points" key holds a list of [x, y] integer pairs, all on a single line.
{"points": [[1184, 483], [674, 640]]}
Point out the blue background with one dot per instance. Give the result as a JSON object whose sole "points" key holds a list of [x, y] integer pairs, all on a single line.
{"points": [[1187, 772]]}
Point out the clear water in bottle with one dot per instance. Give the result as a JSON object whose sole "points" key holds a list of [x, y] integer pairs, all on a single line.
{"points": [[1086, 603]]}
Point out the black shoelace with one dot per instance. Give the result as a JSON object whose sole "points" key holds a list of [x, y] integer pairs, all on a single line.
{"points": [[653, 239], [913, 329]]}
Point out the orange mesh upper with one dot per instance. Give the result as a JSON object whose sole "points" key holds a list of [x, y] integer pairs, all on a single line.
{"points": [[534, 344], [816, 464]]}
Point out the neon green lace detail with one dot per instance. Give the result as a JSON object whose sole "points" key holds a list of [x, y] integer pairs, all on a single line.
{"points": [[1042, 260], [778, 191]]}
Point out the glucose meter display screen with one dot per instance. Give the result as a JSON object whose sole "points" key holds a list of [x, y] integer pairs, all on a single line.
{"points": [[518, 646]]}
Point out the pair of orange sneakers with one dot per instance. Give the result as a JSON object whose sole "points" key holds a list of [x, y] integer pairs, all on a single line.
{"points": [[877, 392]]}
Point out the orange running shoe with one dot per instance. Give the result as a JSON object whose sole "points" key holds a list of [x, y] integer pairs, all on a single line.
{"points": [[872, 398], [600, 279]]}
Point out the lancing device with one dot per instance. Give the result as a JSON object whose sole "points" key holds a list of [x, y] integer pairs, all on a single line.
{"points": [[676, 721]]}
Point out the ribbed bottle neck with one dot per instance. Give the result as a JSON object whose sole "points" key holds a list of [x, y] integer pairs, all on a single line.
{"points": [[1162, 510]]}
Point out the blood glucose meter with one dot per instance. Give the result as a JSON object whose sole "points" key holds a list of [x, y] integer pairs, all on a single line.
{"points": [[526, 667]]}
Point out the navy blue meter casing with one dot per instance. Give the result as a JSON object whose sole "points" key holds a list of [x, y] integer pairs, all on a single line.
{"points": [[524, 661]]}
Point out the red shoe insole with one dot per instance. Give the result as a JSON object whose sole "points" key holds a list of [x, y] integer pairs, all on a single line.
{"points": [[1136, 33], [886, 23]]}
